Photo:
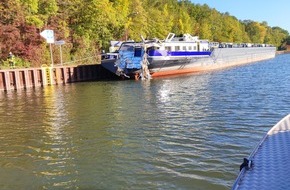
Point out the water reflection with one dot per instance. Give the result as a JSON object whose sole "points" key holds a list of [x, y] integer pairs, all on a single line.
{"points": [[32, 132], [56, 161], [186, 132]]}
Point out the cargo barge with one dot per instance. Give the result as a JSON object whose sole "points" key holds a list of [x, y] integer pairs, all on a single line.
{"points": [[181, 55]]}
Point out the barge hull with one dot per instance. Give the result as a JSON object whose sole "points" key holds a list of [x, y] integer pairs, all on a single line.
{"points": [[220, 58]]}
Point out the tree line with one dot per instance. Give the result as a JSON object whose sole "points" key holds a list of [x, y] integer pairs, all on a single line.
{"points": [[87, 26]]}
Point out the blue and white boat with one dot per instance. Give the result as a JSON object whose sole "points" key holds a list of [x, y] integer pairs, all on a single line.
{"points": [[180, 55]]}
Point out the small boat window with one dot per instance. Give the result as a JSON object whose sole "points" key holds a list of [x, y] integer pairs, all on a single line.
{"points": [[168, 48], [184, 48], [194, 47], [127, 47], [152, 48], [177, 48], [189, 47], [138, 52]]}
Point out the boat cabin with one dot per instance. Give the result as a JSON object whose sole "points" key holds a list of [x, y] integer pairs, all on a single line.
{"points": [[184, 43]]}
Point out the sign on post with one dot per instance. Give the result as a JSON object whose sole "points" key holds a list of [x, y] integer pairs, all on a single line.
{"points": [[60, 43], [49, 36]]}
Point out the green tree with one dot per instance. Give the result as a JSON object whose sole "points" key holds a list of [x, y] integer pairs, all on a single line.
{"points": [[160, 21], [137, 20], [280, 35], [121, 7], [87, 26], [91, 25], [256, 31]]}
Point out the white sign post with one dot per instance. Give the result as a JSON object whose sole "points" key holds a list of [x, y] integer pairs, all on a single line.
{"points": [[60, 42], [49, 36]]}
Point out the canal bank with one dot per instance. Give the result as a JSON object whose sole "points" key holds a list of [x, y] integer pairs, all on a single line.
{"points": [[15, 79]]}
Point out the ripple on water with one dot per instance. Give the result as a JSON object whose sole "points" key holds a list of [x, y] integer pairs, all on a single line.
{"points": [[189, 132]]}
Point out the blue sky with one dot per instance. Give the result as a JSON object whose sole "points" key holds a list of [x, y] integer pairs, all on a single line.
{"points": [[275, 13]]}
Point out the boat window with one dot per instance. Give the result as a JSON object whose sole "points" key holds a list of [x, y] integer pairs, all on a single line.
{"points": [[168, 48], [177, 48], [189, 47], [184, 48], [138, 52], [194, 48], [127, 47], [152, 48]]}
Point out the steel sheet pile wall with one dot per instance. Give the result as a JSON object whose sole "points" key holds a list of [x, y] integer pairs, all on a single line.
{"points": [[33, 77]]}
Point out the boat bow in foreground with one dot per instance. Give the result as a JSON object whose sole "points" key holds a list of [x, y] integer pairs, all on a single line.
{"points": [[268, 166]]}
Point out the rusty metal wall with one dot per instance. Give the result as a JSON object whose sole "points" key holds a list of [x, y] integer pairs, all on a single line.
{"points": [[14, 79]]}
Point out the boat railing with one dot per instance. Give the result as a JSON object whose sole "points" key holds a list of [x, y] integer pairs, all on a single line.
{"points": [[169, 37]]}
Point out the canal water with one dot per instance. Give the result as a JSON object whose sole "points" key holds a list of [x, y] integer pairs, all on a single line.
{"points": [[189, 132]]}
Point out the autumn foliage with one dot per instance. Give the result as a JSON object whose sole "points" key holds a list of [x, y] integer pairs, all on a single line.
{"points": [[87, 26]]}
